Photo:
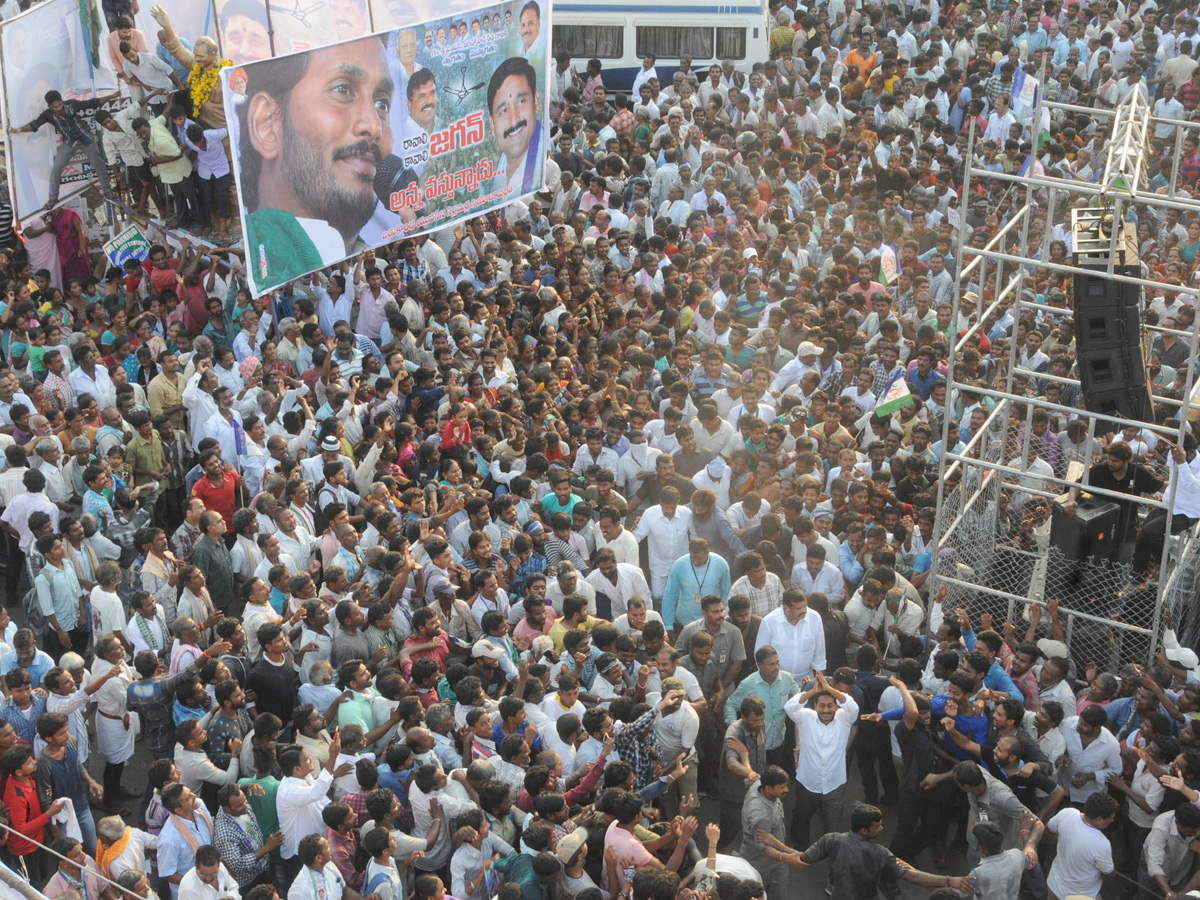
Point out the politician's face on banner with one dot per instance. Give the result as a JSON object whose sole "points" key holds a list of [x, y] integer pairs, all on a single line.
{"points": [[345, 147], [245, 36], [406, 48], [350, 18], [531, 24], [246, 40], [320, 139], [513, 107], [423, 100]]}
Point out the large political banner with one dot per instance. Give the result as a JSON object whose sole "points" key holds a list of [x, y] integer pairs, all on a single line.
{"points": [[250, 30], [366, 141], [390, 14], [48, 48]]}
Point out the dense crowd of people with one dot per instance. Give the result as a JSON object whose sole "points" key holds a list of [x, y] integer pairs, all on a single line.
{"points": [[542, 557]]}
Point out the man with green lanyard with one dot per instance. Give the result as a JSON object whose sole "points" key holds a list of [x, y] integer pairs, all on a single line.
{"points": [[691, 578]]}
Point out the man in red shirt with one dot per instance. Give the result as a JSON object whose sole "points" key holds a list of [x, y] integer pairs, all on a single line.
{"points": [[161, 269], [218, 488], [1189, 93], [427, 639]]}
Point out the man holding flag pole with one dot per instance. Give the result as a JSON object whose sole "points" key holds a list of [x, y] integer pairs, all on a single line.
{"points": [[896, 396]]}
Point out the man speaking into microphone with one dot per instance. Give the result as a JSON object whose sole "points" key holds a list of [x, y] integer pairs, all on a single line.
{"points": [[314, 132]]}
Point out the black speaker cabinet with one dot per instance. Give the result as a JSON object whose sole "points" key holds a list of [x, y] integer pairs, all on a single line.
{"points": [[1089, 533], [1112, 372]]}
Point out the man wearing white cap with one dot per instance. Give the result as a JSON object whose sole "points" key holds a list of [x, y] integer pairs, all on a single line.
{"points": [[793, 371], [312, 468], [571, 850], [714, 477], [1180, 657]]}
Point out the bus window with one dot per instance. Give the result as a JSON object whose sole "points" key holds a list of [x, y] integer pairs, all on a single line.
{"points": [[731, 43], [600, 41], [673, 42]]}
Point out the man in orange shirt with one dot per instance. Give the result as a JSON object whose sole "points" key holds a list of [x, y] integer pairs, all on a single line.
{"points": [[862, 55]]}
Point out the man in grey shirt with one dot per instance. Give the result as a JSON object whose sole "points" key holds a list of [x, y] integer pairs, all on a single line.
{"points": [[728, 649], [1167, 859], [764, 831], [743, 757], [999, 871], [990, 801]]}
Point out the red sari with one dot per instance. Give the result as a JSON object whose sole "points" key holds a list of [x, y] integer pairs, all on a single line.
{"points": [[72, 244]]}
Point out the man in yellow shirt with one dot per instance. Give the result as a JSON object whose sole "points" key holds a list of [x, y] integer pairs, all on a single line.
{"points": [[574, 617]]}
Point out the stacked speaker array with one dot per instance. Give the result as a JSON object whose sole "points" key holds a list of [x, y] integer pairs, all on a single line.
{"points": [[1108, 329], [1108, 343]]}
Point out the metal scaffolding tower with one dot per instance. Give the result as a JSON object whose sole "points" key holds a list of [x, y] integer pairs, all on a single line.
{"points": [[992, 546]]}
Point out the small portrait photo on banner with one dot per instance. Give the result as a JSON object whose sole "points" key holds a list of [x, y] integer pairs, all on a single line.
{"points": [[345, 147]]}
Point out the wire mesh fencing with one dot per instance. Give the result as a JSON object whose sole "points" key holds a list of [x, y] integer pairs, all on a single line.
{"points": [[995, 558]]}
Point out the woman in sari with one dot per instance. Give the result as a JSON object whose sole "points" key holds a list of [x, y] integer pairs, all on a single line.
{"points": [[72, 243], [271, 361]]}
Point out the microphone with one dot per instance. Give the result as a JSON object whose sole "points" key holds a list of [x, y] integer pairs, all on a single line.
{"points": [[391, 176]]}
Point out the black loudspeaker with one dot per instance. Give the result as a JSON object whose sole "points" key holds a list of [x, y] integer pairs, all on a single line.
{"points": [[1089, 533], [1086, 539], [1108, 342]]}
